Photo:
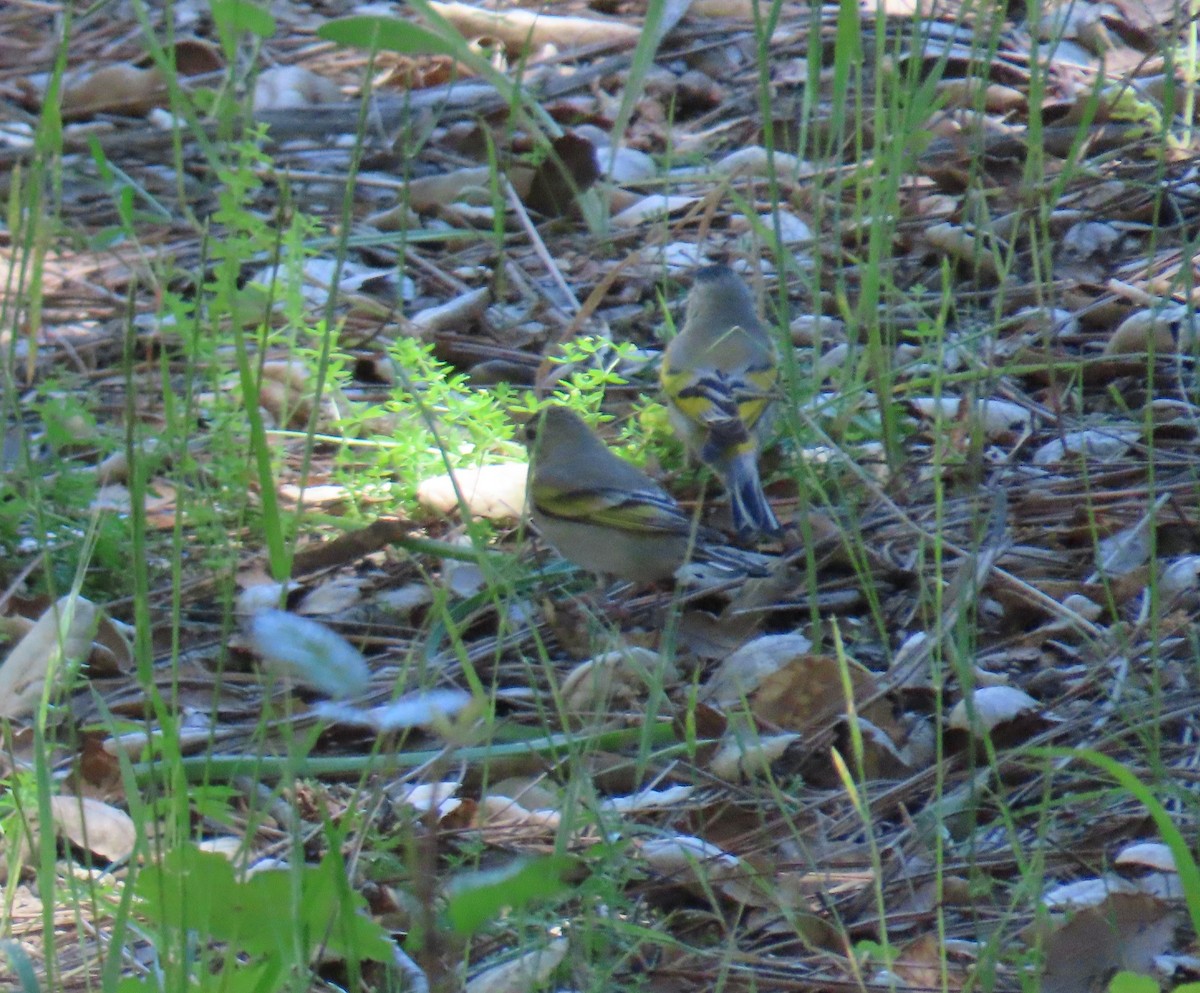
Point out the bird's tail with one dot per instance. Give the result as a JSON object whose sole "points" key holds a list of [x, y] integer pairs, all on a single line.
{"points": [[751, 512]]}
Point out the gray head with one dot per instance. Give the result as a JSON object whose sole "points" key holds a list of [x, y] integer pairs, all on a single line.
{"points": [[721, 297]]}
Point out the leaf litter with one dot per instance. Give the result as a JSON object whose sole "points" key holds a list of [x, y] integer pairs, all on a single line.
{"points": [[862, 803]]}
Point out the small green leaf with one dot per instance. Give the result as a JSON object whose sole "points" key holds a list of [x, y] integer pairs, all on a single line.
{"points": [[386, 34], [479, 897], [1132, 982], [278, 914], [240, 17]]}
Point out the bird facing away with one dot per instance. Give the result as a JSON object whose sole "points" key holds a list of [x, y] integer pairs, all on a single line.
{"points": [[719, 374], [599, 511]]}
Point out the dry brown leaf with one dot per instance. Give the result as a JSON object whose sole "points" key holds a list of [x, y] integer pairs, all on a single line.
{"points": [[119, 88], [569, 169], [1124, 933], [788, 688]]}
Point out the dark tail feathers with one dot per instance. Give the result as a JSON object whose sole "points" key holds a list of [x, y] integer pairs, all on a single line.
{"points": [[751, 512]]}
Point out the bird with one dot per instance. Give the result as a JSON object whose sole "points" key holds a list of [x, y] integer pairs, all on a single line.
{"points": [[719, 375], [603, 513]]}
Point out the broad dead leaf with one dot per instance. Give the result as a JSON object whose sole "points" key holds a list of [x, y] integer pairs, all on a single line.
{"points": [[62, 634], [1124, 933], [94, 826]]}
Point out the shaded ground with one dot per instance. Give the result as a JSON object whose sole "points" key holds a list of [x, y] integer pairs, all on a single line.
{"points": [[992, 486]]}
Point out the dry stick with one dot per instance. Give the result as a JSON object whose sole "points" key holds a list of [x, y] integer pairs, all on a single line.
{"points": [[539, 246]]}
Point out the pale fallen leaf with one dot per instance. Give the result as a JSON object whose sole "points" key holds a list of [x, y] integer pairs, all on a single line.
{"points": [[626, 165], [1169, 330], [426, 797], [524, 29], [742, 758], [94, 826], [970, 250], [430, 192], [665, 799], [704, 867], [992, 705], [1146, 855], [527, 972], [499, 813], [293, 88], [463, 310], [64, 632], [1090, 239], [674, 256], [787, 687], [754, 160], [1086, 892], [653, 208], [616, 679], [1121, 552], [335, 595], [744, 671], [1181, 575], [493, 492], [999, 419], [1103, 444], [792, 230]]}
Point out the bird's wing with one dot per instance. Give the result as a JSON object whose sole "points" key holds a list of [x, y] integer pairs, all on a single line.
{"points": [[644, 511]]}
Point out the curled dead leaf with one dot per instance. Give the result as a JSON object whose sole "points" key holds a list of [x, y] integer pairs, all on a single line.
{"points": [[1146, 855], [1005, 713], [1169, 330], [615, 679], [742, 758]]}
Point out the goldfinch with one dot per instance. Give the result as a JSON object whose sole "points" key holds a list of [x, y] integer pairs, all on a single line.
{"points": [[600, 512], [719, 374]]}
